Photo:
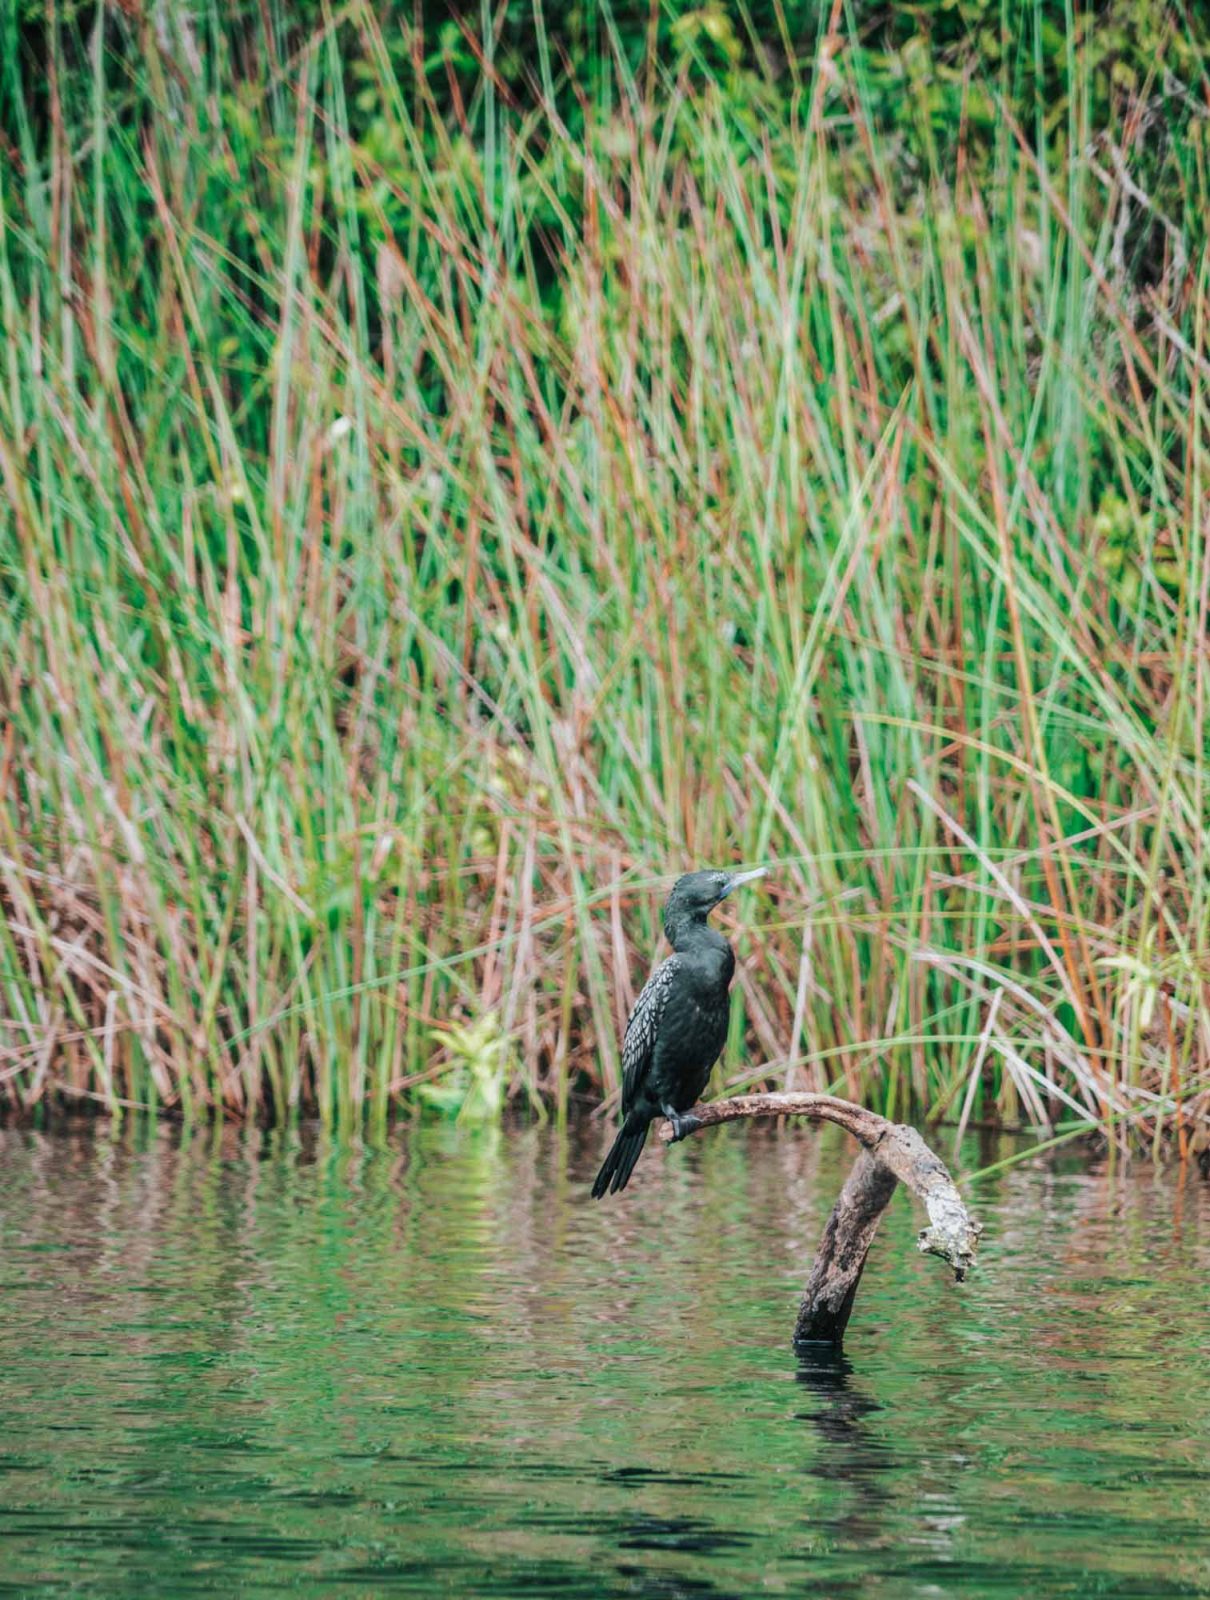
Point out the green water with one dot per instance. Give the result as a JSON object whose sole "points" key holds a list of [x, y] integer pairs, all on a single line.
{"points": [[251, 1365]]}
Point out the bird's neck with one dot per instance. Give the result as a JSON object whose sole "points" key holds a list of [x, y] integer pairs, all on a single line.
{"points": [[692, 935]]}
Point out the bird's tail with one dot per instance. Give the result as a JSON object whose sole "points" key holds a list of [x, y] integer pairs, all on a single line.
{"points": [[619, 1163]]}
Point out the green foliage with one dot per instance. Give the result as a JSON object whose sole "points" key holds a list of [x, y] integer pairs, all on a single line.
{"points": [[483, 1061], [450, 484]]}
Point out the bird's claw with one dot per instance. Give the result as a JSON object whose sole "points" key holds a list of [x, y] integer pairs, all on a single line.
{"points": [[683, 1123]]}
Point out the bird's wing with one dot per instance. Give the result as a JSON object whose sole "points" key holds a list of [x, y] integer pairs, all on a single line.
{"points": [[639, 1040]]}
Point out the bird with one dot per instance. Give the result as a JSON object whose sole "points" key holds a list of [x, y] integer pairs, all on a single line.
{"points": [[678, 1027]]}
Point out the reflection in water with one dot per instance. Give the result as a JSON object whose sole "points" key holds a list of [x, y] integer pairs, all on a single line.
{"points": [[841, 1405], [245, 1362], [855, 1456]]}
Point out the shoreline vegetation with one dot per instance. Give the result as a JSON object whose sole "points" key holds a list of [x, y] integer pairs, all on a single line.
{"points": [[452, 481]]}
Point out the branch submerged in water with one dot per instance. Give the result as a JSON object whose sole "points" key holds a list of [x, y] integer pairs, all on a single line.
{"points": [[892, 1153]]}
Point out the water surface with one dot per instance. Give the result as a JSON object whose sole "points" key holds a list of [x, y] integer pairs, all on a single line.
{"points": [[247, 1363]]}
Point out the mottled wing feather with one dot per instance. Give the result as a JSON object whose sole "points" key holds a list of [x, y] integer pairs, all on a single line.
{"points": [[641, 1030]]}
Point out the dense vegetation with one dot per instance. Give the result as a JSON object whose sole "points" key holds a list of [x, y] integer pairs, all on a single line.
{"points": [[457, 472]]}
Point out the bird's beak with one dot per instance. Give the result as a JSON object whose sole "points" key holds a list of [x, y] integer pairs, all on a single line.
{"points": [[742, 877]]}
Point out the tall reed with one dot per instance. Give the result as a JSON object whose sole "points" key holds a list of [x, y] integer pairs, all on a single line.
{"points": [[423, 533]]}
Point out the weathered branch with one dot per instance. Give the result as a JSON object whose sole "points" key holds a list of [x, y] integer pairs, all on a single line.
{"points": [[892, 1153], [827, 1300]]}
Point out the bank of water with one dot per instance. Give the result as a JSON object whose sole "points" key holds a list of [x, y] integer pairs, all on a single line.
{"points": [[248, 1363]]}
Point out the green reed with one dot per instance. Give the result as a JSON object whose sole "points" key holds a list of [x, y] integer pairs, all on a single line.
{"points": [[424, 530]]}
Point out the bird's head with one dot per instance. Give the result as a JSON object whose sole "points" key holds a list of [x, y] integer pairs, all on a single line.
{"points": [[695, 895]]}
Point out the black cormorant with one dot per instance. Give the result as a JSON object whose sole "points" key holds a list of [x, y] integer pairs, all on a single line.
{"points": [[678, 1027]]}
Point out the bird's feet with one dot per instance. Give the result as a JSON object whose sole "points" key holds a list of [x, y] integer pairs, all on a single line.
{"points": [[683, 1123]]}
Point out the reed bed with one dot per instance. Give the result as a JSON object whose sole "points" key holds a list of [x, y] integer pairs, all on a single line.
{"points": [[425, 530]]}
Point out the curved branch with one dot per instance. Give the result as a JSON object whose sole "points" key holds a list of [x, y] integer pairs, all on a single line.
{"points": [[865, 1126], [892, 1153]]}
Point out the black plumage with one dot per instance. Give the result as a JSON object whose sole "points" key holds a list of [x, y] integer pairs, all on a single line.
{"points": [[678, 1027]]}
